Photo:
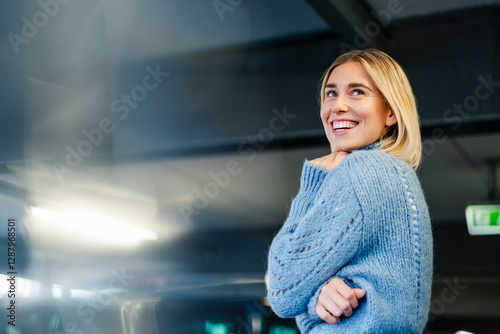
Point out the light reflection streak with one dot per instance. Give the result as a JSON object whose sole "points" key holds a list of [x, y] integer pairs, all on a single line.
{"points": [[85, 224]]}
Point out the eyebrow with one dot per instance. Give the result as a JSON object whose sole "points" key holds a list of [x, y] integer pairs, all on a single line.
{"points": [[351, 85]]}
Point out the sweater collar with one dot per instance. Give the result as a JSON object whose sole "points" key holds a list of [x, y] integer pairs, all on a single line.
{"points": [[373, 146]]}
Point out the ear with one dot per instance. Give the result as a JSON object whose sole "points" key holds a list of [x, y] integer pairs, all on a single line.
{"points": [[391, 118]]}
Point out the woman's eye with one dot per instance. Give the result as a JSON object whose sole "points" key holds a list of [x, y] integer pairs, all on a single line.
{"points": [[357, 92], [331, 93]]}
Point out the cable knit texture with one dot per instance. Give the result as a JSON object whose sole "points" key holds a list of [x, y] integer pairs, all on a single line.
{"points": [[367, 223]]}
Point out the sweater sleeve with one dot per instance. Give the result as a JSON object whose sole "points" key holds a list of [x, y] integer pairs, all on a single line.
{"points": [[320, 236], [310, 181]]}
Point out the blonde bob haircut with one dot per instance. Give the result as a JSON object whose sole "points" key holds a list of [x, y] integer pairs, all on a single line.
{"points": [[403, 138]]}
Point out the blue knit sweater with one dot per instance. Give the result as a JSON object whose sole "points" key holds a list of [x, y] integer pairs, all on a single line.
{"points": [[367, 223]]}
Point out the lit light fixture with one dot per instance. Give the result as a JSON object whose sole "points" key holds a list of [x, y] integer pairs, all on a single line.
{"points": [[57, 291], [80, 294], [95, 226], [483, 219]]}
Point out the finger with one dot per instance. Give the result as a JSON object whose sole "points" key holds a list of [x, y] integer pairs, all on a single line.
{"points": [[339, 157], [325, 315], [340, 306], [336, 158], [360, 293], [329, 158], [320, 162], [343, 153], [325, 161], [332, 301], [330, 161], [347, 293]]}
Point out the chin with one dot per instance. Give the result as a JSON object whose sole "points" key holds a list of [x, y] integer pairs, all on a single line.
{"points": [[344, 147], [349, 145]]}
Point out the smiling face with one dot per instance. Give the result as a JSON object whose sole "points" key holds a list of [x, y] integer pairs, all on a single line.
{"points": [[353, 112]]}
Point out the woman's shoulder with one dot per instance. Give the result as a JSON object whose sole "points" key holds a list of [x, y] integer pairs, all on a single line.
{"points": [[375, 161], [377, 169]]}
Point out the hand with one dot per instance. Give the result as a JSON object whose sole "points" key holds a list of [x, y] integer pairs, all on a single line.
{"points": [[337, 299], [330, 161]]}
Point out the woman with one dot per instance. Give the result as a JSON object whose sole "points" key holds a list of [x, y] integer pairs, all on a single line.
{"points": [[355, 253]]}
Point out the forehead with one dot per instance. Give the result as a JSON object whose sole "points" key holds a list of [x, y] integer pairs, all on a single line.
{"points": [[349, 72]]}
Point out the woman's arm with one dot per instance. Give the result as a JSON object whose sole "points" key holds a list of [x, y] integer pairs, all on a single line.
{"points": [[325, 236], [310, 181], [313, 174]]}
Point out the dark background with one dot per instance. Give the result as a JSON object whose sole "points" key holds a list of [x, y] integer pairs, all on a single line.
{"points": [[232, 67]]}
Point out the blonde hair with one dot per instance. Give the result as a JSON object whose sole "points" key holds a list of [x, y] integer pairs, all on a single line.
{"points": [[403, 138]]}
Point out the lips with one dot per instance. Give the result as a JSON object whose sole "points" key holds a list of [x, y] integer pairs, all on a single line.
{"points": [[343, 125]]}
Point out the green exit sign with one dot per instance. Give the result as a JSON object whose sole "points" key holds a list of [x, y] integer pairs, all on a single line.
{"points": [[483, 219]]}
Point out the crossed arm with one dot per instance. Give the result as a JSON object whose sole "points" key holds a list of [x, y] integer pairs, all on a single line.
{"points": [[336, 298]]}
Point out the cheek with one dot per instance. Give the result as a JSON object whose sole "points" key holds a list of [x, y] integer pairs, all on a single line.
{"points": [[324, 113], [375, 114]]}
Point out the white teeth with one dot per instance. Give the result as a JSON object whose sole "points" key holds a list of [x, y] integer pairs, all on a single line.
{"points": [[344, 125]]}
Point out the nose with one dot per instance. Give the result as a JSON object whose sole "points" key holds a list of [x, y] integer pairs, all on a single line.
{"points": [[340, 105]]}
